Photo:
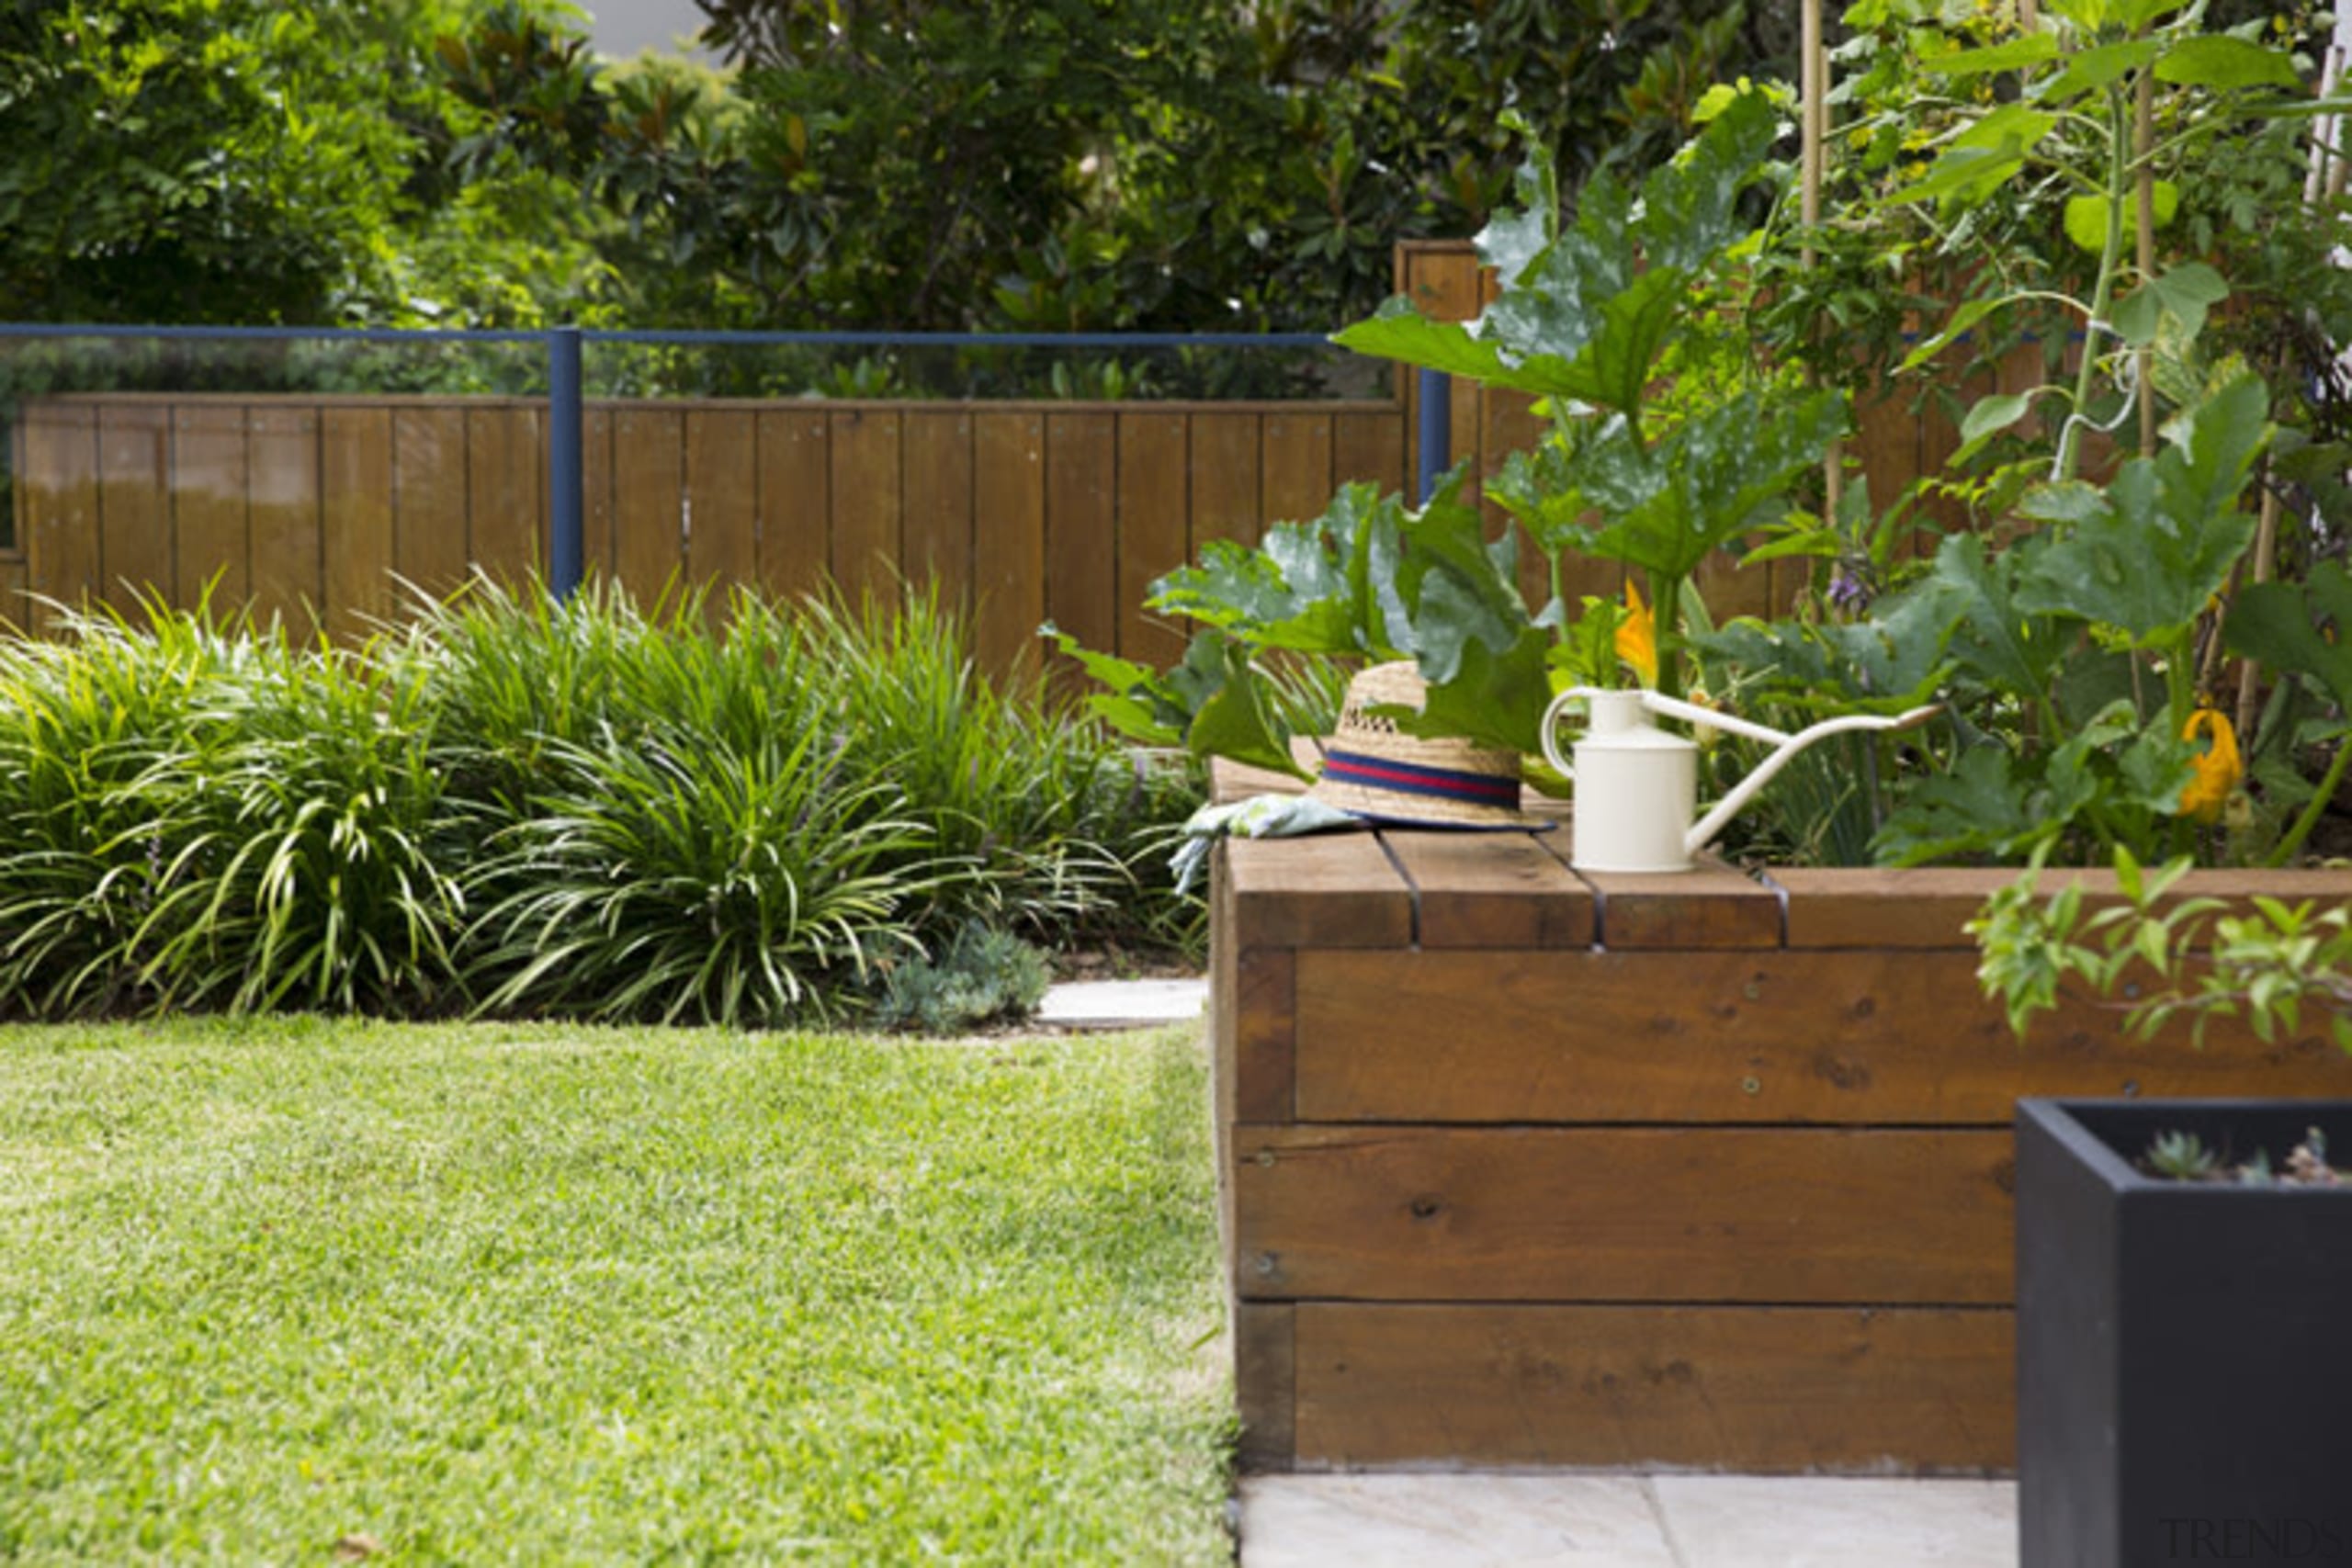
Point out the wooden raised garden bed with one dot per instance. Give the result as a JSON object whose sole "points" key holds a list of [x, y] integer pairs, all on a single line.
{"points": [[1522, 1167]]}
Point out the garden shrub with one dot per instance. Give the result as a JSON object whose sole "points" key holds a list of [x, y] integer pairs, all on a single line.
{"points": [[581, 807]]}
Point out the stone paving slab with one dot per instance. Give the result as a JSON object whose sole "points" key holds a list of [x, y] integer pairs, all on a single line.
{"points": [[1624, 1521], [1123, 1004]]}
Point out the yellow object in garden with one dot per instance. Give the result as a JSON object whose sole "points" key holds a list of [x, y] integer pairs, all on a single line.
{"points": [[2218, 767], [1638, 636]]}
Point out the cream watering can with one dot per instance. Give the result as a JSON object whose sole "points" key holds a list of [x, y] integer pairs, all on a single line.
{"points": [[1637, 786]]}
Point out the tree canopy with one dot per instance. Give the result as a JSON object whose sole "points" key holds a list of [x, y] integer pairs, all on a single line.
{"points": [[912, 163]]}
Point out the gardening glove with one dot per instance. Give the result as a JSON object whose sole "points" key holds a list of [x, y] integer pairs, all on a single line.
{"points": [[1259, 817]]}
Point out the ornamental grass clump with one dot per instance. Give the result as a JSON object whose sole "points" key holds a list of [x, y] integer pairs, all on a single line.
{"points": [[84, 717], [666, 877], [581, 808], [309, 855], [1029, 809]]}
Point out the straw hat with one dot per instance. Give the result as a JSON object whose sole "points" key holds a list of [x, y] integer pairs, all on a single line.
{"points": [[1373, 770]]}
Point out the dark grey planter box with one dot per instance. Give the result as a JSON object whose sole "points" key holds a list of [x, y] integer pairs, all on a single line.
{"points": [[2184, 1349]]}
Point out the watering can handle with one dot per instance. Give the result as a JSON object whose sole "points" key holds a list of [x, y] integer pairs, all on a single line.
{"points": [[1550, 730]]}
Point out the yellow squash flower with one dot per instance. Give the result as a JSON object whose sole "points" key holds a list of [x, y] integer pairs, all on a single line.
{"points": [[2218, 767], [1638, 636]]}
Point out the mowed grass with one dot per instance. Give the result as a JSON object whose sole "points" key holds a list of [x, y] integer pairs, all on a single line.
{"points": [[548, 1293]]}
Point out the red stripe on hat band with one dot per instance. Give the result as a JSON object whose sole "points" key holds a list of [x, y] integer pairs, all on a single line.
{"points": [[1483, 789]]}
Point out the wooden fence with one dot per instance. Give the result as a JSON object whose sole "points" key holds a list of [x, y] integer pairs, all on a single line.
{"points": [[315, 508]]}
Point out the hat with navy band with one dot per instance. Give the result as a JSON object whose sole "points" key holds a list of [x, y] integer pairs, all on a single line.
{"points": [[1373, 770]]}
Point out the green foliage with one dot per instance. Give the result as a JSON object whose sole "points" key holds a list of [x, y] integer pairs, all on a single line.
{"points": [[983, 976], [1667, 442], [2187, 958], [309, 855], [81, 726], [551, 1292], [577, 808], [676, 876]]}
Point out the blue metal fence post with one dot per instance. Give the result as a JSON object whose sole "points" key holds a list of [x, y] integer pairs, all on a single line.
{"points": [[567, 553], [1436, 443]]}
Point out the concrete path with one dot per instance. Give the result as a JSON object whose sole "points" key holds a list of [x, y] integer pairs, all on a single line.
{"points": [[1624, 1521], [1123, 1004]]}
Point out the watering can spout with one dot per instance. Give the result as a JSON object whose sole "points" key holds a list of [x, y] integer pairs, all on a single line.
{"points": [[1785, 749], [1637, 786]]}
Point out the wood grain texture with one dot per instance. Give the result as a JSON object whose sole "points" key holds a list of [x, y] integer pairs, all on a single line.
{"points": [[428, 498], [1796, 1036], [134, 504], [1711, 906], [1081, 526], [288, 581], [1493, 890], [1753, 1215], [1785, 1390], [1154, 505], [210, 492], [649, 495], [1008, 538], [1369, 446], [1265, 1028], [1265, 1384], [868, 501], [1228, 496], [938, 525], [722, 503], [1336, 890], [796, 502], [356, 518], [1297, 456], [596, 492], [60, 495], [1929, 907], [506, 469]]}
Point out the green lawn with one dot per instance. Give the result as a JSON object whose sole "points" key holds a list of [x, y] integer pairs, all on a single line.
{"points": [[540, 1293]]}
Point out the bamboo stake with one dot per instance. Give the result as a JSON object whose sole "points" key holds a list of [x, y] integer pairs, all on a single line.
{"points": [[1814, 125], [2324, 175], [2143, 141]]}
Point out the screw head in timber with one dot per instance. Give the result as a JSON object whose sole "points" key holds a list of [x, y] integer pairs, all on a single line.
{"points": [[1267, 1264], [1751, 1085]]}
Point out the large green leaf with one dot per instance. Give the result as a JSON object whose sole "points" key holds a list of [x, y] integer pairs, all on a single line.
{"points": [[2100, 66], [2015, 54], [2146, 554], [2300, 626], [1495, 698], [2185, 293], [1985, 805], [1517, 236], [1324, 585], [1706, 482], [1398, 331], [1234, 721], [1993, 637], [1457, 588], [1590, 305], [1690, 205], [2217, 60]]}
